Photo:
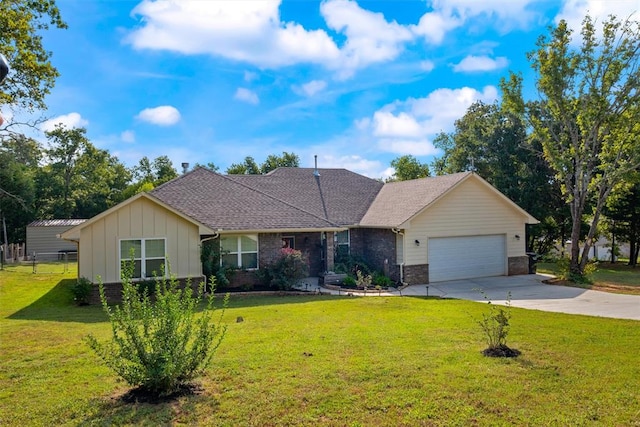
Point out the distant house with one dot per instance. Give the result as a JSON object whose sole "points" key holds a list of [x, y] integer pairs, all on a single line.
{"points": [[420, 231], [43, 237]]}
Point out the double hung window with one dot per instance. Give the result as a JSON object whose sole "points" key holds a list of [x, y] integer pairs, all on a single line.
{"points": [[239, 251], [148, 256]]}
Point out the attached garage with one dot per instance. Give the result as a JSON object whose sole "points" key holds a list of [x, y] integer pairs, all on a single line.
{"points": [[456, 258]]}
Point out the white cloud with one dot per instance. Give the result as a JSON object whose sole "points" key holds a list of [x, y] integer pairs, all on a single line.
{"points": [[164, 115], [408, 127], [354, 163], [370, 38], [311, 88], [574, 11], [249, 31], [128, 136], [506, 14], [245, 95], [433, 26], [69, 121], [250, 76], [427, 66], [474, 63]]}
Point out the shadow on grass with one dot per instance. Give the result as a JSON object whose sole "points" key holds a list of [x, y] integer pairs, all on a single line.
{"points": [[57, 306], [117, 411]]}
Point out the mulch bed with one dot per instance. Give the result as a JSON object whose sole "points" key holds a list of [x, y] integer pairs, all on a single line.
{"points": [[501, 351]]}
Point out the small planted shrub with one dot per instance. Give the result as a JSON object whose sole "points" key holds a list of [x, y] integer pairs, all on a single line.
{"points": [[81, 291], [495, 326], [382, 281], [565, 272], [363, 281], [287, 270], [159, 346], [349, 282]]}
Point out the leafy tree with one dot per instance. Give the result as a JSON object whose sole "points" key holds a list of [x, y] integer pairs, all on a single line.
{"points": [[588, 116], [287, 160], [164, 170], [60, 176], [159, 345], [623, 211], [494, 143], [408, 167], [248, 167], [21, 25]]}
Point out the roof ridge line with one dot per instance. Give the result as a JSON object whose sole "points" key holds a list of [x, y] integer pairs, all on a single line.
{"points": [[278, 199]]}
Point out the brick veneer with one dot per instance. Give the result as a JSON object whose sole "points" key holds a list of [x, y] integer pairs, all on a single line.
{"points": [[378, 248], [416, 274], [113, 291], [518, 265]]}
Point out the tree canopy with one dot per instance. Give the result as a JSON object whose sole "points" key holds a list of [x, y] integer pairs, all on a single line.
{"points": [[587, 117], [408, 167], [33, 75], [273, 161]]}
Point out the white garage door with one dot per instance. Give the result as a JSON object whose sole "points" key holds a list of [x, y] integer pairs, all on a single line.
{"points": [[455, 258]]}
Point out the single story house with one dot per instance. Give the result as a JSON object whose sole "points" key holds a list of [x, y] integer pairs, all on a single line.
{"points": [[420, 231], [43, 241]]}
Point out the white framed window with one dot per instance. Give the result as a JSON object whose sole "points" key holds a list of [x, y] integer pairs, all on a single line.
{"points": [[342, 243], [149, 256], [239, 251]]}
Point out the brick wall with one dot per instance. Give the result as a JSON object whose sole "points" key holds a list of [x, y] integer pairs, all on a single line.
{"points": [[113, 291], [416, 274], [518, 265], [378, 248]]}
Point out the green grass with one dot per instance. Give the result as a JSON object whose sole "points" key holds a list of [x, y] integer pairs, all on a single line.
{"points": [[321, 360], [606, 274]]}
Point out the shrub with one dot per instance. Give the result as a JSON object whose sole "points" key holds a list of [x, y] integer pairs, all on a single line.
{"points": [[287, 270], [565, 273], [81, 291], [211, 267], [159, 346], [349, 282], [382, 280], [350, 264], [362, 280], [495, 326]]}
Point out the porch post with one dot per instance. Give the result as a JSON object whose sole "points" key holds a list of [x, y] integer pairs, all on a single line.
{"points": [[330, 253]]}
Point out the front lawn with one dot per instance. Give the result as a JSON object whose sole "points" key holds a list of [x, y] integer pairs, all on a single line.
{"points": [[322, 360], [609, 277]]}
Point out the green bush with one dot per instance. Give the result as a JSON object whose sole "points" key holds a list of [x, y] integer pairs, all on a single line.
{"points": [[285, 271], [161, 345], [362, 280], [382, 280], [81, 291], [565, 273], [495, 326], [349, 282], [351, 264]]}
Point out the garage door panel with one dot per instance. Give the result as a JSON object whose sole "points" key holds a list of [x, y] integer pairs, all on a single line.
{"points": [[455, 258]]}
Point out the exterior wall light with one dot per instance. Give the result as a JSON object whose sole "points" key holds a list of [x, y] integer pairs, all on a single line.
{"points": [[417, 242], [517, 236]]}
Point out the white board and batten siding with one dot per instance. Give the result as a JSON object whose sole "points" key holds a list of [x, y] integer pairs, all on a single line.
{"points": [[474, 226], [100, 247], [42, 236]]}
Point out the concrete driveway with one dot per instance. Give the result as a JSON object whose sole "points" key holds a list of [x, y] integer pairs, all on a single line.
{"points": [[528, 291]]}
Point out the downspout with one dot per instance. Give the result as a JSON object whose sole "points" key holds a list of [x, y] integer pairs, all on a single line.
{"points": [[215, 236], [404, 253]]}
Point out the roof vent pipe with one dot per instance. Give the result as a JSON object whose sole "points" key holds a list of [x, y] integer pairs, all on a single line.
{"points": [[185, 167], [316, 173]]}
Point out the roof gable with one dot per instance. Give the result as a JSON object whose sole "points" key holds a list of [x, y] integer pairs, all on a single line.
{"points": [[400, 202], [74, 233]]}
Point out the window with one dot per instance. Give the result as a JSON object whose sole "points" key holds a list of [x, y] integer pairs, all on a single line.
{"points": [[342, 243], [148, 256], [239, 251], [288, 242]]}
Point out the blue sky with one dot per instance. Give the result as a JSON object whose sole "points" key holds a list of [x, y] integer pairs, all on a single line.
{"points": [[357, 83]]}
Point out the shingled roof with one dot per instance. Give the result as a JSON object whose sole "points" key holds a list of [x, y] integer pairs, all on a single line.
{"points": [[400, 201], [285, 199]]}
